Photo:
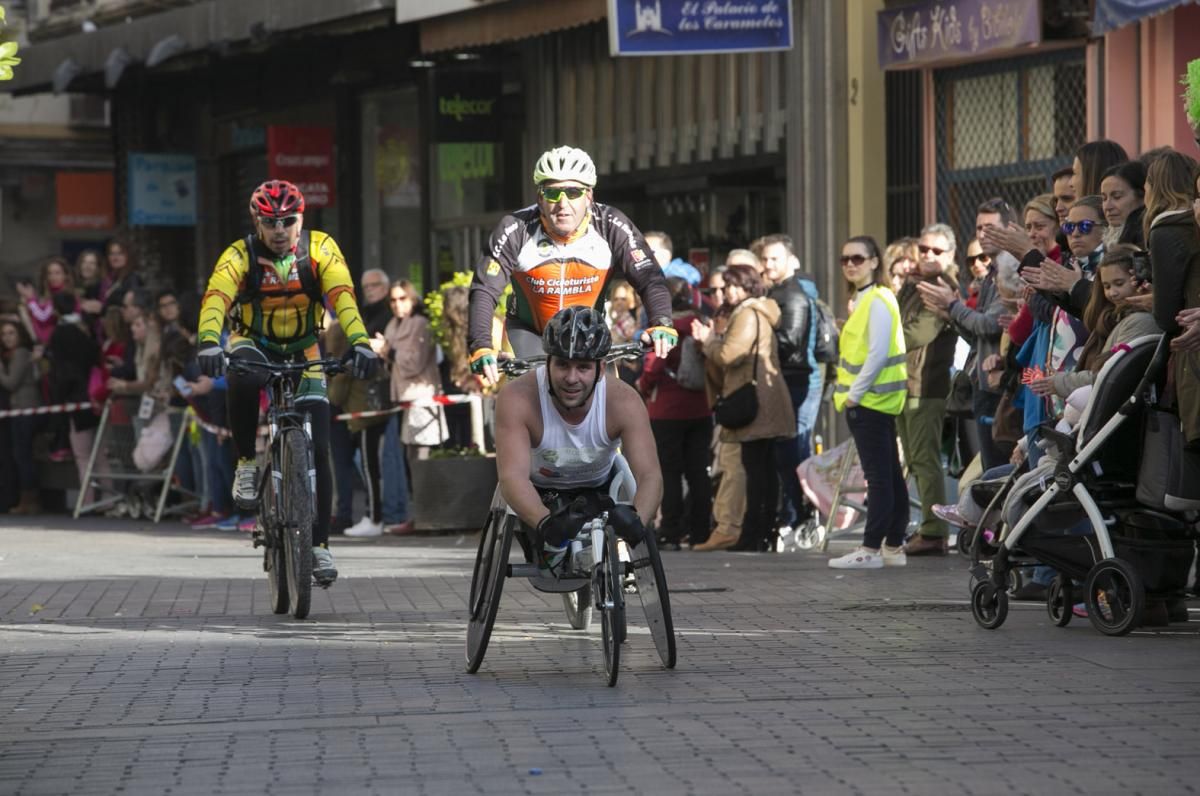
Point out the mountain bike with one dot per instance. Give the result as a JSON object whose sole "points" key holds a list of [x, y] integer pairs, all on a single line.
{"points": [[287, 485]]}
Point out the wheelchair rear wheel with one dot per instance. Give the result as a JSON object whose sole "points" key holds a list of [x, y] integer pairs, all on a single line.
{"points": [[578, 606], [487, 584], [656, 601], [609, 591]]}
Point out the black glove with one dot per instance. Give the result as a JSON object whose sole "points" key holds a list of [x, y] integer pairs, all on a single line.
{"points": [[557, 528], [366, 362], [626, 522], [212, 361]]}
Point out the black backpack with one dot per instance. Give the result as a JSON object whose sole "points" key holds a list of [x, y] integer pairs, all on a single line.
{"points": [[309, 284], [825, 342]]}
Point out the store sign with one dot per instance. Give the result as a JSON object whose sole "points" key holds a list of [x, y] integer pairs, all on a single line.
{"points": [[686, 27], [952, 29], [162, 190], [304, 156], [84, 200], [467, 107]]}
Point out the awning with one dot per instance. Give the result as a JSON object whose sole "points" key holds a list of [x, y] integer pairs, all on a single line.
{"points": [[509, 21], [414, 10], [1113, 14], [154, 38]]}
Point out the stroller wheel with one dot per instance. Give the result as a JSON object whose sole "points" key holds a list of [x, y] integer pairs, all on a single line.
{"points": [[1060, 601], [1114, 597], [1015, 581], [989, 605], [809, 535]]}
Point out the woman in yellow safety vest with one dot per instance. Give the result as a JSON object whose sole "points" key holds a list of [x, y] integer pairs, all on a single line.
{"points": [[871, 389]]}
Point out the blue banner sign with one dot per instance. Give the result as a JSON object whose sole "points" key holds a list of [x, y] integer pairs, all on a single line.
{"points": [[954, 29], [687, 27], [162, 190]]}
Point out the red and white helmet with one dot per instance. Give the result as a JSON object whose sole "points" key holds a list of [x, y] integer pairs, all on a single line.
{"points": [[275, 199]]}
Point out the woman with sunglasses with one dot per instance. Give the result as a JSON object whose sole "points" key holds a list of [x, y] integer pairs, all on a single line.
{"points": [[871, 389]]}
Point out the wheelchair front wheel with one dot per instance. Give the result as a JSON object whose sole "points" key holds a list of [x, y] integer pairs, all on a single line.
{"points": [[487, 584], [608, 588], [578, 607]]}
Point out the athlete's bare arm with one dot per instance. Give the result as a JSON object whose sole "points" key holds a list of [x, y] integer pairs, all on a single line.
{"points": [[517, 419], [627, 419]]}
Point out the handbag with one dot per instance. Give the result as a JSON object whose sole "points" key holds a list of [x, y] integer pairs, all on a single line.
{"points": [[740, 407], [97, 385], [962, 392], [1168, 474], [690, 373]]}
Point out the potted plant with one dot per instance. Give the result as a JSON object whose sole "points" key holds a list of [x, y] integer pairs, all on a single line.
{"points": [[1191, 97], [452, 487]]}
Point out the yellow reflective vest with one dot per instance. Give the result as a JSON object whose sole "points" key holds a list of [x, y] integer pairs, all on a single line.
{"points": [[889, 390]]}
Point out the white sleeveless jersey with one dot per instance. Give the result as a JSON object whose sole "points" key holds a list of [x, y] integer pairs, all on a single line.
{"points": [[572, 457]]}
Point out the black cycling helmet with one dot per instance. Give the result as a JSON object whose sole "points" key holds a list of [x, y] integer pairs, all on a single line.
{"points": [[577, 333]]}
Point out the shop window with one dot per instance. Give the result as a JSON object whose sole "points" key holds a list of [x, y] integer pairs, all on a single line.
{"points": [[1003, 127], [392, 171]]}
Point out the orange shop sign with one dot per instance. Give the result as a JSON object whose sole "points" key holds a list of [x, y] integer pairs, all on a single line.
{"points": [[303, 155], [84, 200]]}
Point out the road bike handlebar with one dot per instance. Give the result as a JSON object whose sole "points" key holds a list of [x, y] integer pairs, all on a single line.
{"points": [[618, 353]]}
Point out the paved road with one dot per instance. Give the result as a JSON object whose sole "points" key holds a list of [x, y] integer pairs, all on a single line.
{"points": [[145, 660]]}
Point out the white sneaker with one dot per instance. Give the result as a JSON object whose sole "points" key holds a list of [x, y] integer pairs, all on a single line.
{"points": [[861, 558], [786, 542], [893, 556], [365, 527]]}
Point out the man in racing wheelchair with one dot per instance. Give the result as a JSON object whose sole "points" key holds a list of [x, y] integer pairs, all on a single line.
{"points": [[558, 429]]}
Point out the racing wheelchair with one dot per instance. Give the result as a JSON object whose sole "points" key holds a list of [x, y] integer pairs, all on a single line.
{"points": [[601, 572]]}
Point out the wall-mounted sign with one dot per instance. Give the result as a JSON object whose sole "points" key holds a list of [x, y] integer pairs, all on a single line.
{"points": [[466, 107], [162, 190], [303, 155], [684, 27], [953, 29], [84, 200]]}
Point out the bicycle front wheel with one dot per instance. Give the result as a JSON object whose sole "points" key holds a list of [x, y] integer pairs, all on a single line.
{"points": [[656, 601], [274, 559], [296, 522]]}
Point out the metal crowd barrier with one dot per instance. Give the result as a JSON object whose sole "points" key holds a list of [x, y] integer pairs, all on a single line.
{"points": [[114, 479]]}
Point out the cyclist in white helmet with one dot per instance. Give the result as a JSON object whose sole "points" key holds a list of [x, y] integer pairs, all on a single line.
{"points": [[561, 252]]}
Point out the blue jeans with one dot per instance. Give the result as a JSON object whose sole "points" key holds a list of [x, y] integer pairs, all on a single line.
{"points": [[218, 454], [395, 474], [345, 474], [790, 452]]}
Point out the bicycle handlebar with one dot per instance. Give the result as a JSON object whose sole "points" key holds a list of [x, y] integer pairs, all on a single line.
{"points": [[624, 352], [330, 365]]}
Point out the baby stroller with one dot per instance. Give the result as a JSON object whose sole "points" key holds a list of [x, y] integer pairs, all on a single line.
{"points": [[1079, 510]]}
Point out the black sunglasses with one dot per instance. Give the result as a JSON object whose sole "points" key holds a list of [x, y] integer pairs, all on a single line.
{"points": [[983, 258], [857, 259], [556, 194], [936, 251]]}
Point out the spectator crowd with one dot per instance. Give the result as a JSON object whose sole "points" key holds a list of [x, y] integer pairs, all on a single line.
{"points": [[945, 352]]}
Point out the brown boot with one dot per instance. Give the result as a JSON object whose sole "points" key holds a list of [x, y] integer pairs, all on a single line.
{"points": [[28, 503], [719, 539]]}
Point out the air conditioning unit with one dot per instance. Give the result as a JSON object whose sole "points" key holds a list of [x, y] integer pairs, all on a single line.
{"points": [[88, 110]]}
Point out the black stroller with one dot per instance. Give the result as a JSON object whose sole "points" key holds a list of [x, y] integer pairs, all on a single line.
{"points": [[1079, 510]]}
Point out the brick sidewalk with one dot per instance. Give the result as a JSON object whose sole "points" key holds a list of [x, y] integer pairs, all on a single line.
{"points": [[146, 661]]}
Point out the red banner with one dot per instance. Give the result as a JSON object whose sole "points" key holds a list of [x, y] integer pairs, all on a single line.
{"points": [[84, 200], [303, 155]]}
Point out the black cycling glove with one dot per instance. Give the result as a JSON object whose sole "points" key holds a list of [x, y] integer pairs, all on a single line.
{"points": [[366, 362], [211, 360]]}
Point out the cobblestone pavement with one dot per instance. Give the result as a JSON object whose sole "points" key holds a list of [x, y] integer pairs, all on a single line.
{"points": [[145, 660]]}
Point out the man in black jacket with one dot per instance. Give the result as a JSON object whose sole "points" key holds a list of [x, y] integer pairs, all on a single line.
{"points": [[795, 296]]}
